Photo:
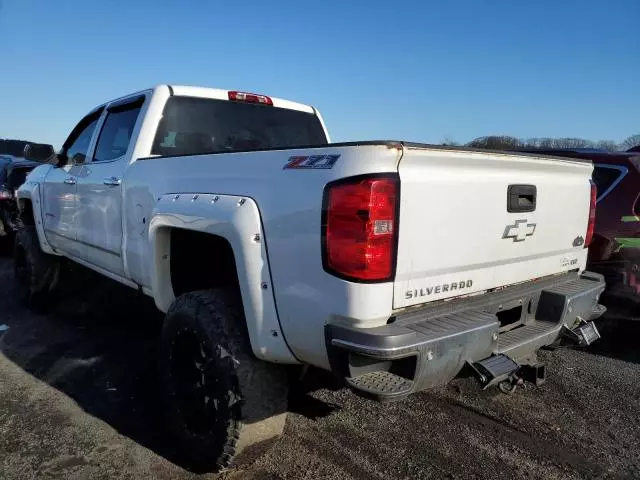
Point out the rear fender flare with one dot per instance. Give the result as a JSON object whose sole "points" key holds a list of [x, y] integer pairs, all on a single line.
{"points": [[236, 219]]}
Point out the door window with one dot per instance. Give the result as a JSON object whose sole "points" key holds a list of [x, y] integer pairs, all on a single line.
{"points": [[116, 133], [82, 141]]}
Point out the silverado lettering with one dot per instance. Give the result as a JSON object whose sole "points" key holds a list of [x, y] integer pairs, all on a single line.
{"points": [[425, 292]]}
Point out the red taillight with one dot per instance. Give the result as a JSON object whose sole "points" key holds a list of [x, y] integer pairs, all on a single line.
{"points": [[5, 194], [592, 216], [360, 227], [250, 98]]}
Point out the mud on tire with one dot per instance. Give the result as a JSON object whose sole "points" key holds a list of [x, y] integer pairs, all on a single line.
{"points": [[223, 405], [35, 271]]}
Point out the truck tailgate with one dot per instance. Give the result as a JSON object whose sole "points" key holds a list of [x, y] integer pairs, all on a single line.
{"points": [[457, 235]]}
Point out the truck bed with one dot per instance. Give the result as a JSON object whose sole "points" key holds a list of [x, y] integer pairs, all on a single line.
{"points": [[385, 143], [452, 220]]}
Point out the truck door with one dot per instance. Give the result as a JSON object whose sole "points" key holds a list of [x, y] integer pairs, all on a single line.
{"points": [[99, 191], [60, 187]]}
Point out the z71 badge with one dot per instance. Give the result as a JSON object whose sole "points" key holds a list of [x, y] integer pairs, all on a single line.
{"points": [[312, 161]]}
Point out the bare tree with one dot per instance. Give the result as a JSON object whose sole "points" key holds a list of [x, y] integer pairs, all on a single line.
{"points": [[630, 142], [608, 145], [546, 142], [496, 142], [505, 142], [569, 142], [531, 143], [449, 141]]}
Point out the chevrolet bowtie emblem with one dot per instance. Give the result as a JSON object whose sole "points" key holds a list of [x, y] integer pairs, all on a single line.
{"points": [[519, 231]]}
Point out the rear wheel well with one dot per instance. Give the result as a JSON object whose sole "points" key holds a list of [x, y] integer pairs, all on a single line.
{"points": [[201, 261]]}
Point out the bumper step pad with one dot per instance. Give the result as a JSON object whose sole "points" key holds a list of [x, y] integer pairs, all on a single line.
{"points": [[381, 385]]}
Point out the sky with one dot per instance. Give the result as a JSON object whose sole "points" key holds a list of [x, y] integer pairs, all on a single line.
{"points": [[424, 71]]}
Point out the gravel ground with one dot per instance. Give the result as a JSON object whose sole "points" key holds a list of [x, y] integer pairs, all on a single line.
{"points": [[78, 400]]}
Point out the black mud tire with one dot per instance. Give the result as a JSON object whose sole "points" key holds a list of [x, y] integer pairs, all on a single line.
{"points": [[224, 407], [35, 271]]}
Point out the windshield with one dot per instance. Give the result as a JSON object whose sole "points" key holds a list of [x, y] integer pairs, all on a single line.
{"points": [[200, 125]]}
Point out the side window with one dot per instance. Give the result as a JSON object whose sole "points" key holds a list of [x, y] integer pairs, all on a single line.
{"points": [[114, 138], [81, 143]]}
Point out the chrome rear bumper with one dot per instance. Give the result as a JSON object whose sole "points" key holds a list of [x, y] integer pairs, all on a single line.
{"points": [[426, 347]]}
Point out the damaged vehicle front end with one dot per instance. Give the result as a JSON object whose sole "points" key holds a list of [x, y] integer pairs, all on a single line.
{"points": [[12, 174]]}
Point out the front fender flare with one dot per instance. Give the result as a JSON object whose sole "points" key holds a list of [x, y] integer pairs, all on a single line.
{"points": [[30, 191]]}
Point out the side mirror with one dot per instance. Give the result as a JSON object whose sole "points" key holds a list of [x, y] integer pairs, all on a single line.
{"points": [[78, 159], [39, 152]]}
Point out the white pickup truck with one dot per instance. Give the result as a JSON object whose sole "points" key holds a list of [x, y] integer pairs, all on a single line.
{"points": [[395, 265]]}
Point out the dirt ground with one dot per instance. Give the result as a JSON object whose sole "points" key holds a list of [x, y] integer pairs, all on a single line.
{"points": [[78, 400]]}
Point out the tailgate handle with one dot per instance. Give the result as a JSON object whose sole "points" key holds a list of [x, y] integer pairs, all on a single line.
{"points": [[521, 198]]}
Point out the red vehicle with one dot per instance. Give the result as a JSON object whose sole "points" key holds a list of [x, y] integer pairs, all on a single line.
{"points": [[615, 249]]}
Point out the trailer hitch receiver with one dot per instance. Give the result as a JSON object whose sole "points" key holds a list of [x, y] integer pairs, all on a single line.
{"points": [[494, 370]]}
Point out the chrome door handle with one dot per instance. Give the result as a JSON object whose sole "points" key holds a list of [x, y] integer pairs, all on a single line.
{"points": [[70, 181], [112, 181]]}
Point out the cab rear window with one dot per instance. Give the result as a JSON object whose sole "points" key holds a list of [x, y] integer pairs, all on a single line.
{"points": [[192, 126]]}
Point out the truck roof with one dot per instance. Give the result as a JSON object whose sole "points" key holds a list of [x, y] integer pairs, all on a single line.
{"points": [[215, 93], [203, 92]]}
